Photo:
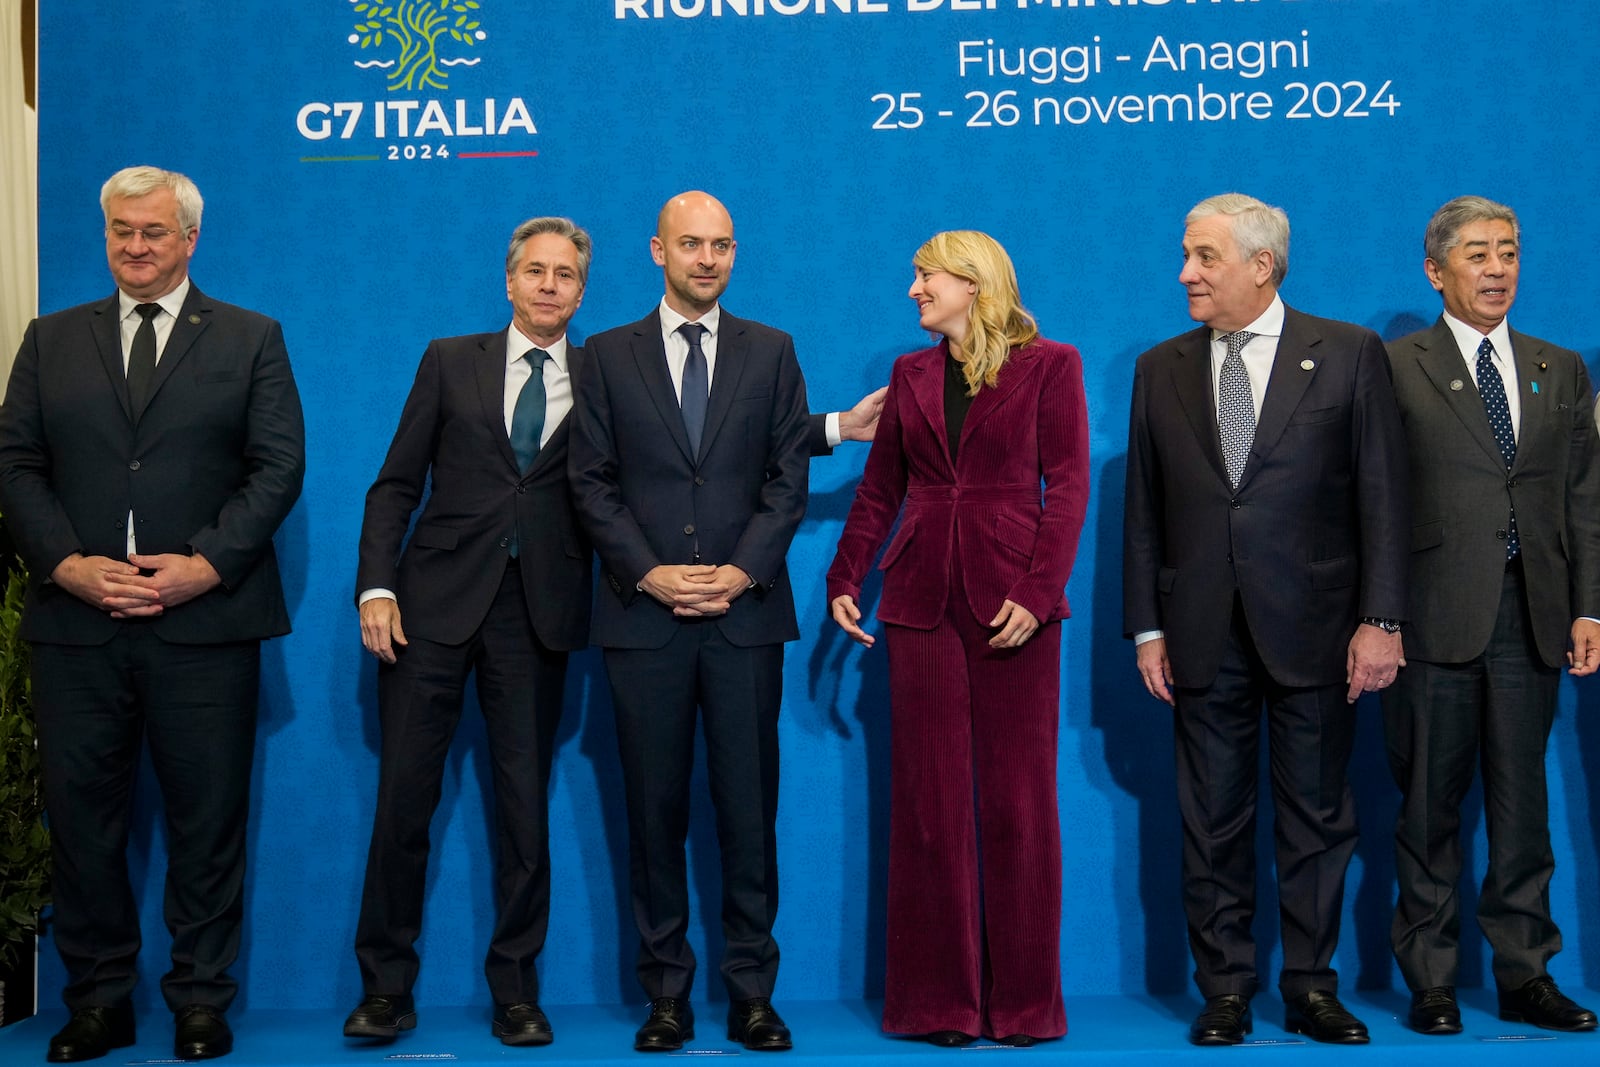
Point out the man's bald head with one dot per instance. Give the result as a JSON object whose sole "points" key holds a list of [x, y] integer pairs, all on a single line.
{"points": [[694, 248]]}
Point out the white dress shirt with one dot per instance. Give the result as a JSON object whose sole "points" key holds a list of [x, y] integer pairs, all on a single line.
{"points": [[677, 345]]}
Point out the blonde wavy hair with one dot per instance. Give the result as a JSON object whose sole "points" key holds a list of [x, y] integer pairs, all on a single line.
{"points": [[996, 322]]}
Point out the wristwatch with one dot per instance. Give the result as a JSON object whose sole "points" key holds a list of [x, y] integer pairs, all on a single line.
{"points": [[1388, 626]]}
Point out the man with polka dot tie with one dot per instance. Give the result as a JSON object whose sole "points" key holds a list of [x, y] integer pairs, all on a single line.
{"points": [[1505, 587]]}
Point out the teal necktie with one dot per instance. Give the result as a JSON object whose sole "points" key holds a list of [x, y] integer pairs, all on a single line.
{"points": [[527, 418]]}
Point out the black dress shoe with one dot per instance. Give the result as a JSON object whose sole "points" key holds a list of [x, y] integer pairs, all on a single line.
{"points": [[948, 1038], [522, 1024], [1018, 1040], [1434, 1011], [1321, 1017], [92, 1032], [756, 1024], [1223, 1021], [382, 1015], [202, 1033], [1542, 1004], [671, 1023]]}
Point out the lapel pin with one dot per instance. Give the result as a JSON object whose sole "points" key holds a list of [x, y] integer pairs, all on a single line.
{"points": [[194, 320], [1455, 385], [1306, 364], [1535, 386], [1544, 366]]}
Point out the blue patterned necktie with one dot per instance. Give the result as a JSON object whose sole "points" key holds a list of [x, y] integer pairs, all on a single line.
{"points": [[1493, 390], [696, 386], [1236, 406], [527, 417]]}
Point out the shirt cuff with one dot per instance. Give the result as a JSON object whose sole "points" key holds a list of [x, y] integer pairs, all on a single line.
{"points": [[831, 425], [376, 594], [1147, 635]]}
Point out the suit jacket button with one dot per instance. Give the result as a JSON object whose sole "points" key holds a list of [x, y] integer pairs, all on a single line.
{"points": [[699, 480], [505, 542], [1236, 505], [1499, 535], [1511, 483], [134, 465], [689, 529], [521, 488]]}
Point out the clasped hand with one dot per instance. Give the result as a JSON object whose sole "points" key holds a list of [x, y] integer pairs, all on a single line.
{"points": [[696, 589], [119, 588]]}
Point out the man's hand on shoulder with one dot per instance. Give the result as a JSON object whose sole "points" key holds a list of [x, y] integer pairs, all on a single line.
{"points": [[860, 423], [381, 629], [107, 584]]}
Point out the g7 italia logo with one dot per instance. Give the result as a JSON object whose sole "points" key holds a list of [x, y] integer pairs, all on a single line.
{"points": [[419, 45]]}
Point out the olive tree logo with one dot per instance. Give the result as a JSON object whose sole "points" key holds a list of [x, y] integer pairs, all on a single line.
{"points": [[416, 29]]}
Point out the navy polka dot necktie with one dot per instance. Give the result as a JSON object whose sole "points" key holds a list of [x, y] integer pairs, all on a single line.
{"points": [[1493, 390], [1236, 406]]}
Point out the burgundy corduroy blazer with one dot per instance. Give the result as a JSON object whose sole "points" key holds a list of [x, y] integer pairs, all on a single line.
{"points": [[1012, 503]]}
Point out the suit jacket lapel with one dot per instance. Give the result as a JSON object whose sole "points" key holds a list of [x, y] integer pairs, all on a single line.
{"points": [[1441, 361], [107, 330], [1286, 387], [1191, 381], [650, 356], [1012, 375], [925, 376], [1525, 352], [490, 371], [193, 318], [732, 350]]}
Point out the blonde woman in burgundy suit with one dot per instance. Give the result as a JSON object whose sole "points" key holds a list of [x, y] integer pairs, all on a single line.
{"points": [[983, 453]]}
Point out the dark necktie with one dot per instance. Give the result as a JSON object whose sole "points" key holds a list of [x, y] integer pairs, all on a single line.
{"points": [[1493, 390], [527, 417], [142, 358], [1236, 406], [696, 386]]}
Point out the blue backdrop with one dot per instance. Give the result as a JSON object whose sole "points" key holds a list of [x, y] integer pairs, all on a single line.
{"points": [[361, 184]]}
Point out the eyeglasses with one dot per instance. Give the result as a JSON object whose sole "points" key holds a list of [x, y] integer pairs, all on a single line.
{"points": [[153, 235]]}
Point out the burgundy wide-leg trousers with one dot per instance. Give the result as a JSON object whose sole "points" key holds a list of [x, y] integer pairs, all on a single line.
{"points": [[974, 910]]}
